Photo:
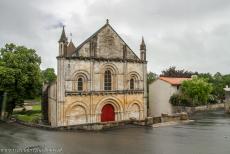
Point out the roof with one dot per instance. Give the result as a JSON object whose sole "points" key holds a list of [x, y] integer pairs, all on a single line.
{"points": [[63, 37], [70, 48], [174, 81]]}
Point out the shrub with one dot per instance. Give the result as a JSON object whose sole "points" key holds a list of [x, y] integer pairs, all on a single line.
{"points": [[180, 100], [212, 99]]}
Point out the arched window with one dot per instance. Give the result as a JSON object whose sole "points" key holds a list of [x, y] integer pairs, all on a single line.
{"points": [[107, 80], [80, 84], [131, 84]]}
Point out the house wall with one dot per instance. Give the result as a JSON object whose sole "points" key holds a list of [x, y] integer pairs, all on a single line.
{"points": [[52, 104], [159, 96]]}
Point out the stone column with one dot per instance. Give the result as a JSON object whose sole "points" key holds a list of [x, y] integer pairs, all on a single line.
{"points": [[227, 99]]}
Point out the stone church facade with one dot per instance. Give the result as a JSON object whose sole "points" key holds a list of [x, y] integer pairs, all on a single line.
{"points": [[101, 80]]}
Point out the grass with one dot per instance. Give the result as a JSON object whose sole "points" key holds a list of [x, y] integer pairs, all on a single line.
{"points": [[36, 107], [37, 99], [32, 116]]}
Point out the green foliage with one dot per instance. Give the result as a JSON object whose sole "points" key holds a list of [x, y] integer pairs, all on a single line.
{"points": [[198, 90], [218, 82], [32, 116], [180, 100], [19, 74], [173, 72], [151, 77], [48, 75]]}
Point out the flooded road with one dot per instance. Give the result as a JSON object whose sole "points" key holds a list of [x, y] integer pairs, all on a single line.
{"points": [[209, 134]]}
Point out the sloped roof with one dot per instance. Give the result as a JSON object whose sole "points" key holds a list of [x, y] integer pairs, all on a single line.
{"points": [[70, 48], [63, 37], [173, 80]]}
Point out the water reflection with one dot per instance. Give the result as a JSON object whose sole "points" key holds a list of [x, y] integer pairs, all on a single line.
{"points": [[209, 134]]}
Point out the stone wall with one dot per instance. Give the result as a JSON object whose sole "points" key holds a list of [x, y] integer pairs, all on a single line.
{"points": [[191, 110], [227, 106], [81, 109], [85, 106], [149, 121], [108, 44]]}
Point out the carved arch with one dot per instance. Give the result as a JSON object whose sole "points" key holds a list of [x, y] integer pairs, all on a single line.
{"points": [[85, 77], [134, 76], [77, 113], [114, 72], [135, 110], [116, 103]]}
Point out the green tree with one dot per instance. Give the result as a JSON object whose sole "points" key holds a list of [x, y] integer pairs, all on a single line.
{"points": [[197, 89], [48, 75], [218, 81], [173, 72], [151, 77], [20, 74]]}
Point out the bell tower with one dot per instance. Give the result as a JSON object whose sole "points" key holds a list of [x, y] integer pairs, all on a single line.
{"points": [[143, 50], [144, 68], [63, 42]]}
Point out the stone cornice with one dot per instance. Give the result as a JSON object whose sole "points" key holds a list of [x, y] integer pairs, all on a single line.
{"points": [[112, 92], [102, 59]]}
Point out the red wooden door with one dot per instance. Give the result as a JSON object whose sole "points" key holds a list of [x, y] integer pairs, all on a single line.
{"points": [[107, 113]]}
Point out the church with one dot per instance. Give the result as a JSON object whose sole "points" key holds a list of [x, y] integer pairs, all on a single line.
{"points": [[100, 80]]}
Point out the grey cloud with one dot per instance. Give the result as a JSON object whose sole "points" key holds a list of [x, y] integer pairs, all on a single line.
{"points": [[194, 35]]}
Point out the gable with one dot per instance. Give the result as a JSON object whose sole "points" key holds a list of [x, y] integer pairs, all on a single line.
{"points": [[105, 43]]}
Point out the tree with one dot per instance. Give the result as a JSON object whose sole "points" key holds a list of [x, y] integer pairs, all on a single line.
{"points": [[218, 82], [198, 90], [173, 72], [20, 74], [48, 75], [151, 77]]}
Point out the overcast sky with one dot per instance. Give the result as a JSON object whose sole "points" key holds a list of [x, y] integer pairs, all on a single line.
{"points": [[190, 34]]}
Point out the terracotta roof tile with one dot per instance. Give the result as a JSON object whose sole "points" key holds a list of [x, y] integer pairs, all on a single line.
{"points": [[174, 81]]}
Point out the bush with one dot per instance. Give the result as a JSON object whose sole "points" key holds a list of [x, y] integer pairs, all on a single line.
{"points": [[212, 99], [180, 100]]}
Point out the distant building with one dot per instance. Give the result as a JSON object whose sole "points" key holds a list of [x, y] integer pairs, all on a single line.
{"points": [[100, 80], [160, 92]]}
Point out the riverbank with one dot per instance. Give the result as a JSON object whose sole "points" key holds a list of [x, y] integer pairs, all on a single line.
{"points": [[204, 108], [172, 123]]}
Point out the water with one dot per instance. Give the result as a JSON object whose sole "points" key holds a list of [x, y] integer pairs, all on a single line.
{"points": [[209, 134]]}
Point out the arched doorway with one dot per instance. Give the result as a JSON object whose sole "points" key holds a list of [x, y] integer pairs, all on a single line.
{"points": [[77, 115], [134, 112], [107, 113]]}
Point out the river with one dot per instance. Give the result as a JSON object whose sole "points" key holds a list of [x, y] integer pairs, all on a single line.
{"points": [[208, 134]]}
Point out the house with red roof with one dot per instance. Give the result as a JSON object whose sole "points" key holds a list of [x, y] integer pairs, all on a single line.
{"points": [[160, 92]]}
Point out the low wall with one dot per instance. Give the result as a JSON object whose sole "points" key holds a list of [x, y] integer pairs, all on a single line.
{"points": [[87, 127], [191, 110], [227, 107], [149, 121]]}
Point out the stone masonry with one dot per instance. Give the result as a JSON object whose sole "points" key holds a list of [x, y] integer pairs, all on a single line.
{"points": [[100, 78]]}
